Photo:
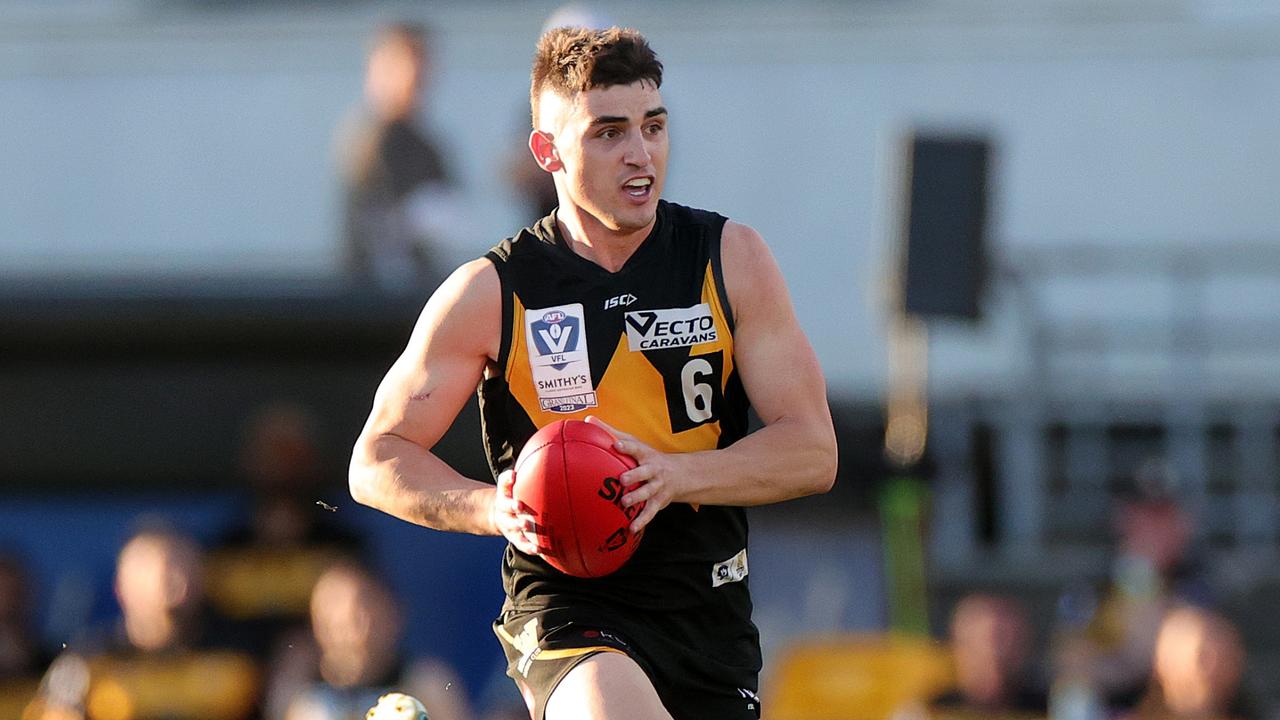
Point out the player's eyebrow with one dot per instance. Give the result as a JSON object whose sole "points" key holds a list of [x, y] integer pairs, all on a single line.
{"points": [[623, 120]]}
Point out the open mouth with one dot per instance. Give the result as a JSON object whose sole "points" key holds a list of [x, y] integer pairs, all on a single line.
{"points": [[638, 188]]}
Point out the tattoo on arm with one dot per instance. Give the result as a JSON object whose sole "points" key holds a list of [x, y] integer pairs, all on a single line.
{"points": [[420, 396]]}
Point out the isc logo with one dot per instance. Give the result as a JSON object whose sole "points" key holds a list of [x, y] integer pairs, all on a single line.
{"points": [[622, 300]]}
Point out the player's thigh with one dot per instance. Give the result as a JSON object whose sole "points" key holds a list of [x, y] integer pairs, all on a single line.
{"points": [[605, 686]]}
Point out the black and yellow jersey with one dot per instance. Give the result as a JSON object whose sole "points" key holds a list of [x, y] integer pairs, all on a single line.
{"points": [[649, 350]]}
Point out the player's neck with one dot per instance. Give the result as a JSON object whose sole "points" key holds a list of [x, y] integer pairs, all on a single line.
{"points": [[604, 246]]}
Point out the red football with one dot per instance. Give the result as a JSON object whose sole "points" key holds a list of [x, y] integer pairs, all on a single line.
{"points": [[567, 474]]}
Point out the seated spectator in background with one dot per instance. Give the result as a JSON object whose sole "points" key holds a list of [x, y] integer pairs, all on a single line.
{"points": [[1196, 670], [165, 660], [262, 571], [22, 659], [991, 642], [1154, 569], [356, 624], [991, 645], [400, 197]]}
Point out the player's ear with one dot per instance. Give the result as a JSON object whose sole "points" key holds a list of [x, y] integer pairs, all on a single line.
{"points": [[544, 151]]}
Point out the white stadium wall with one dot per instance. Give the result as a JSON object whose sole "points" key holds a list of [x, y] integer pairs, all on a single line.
{"points": [[145, 138]]}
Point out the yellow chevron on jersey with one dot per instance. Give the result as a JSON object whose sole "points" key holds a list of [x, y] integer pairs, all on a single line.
{"points": [[631, 393]]}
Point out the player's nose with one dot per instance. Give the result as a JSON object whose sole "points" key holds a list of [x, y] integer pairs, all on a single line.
{"points": [[637, 152]]}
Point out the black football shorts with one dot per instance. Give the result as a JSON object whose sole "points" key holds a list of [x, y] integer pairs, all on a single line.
{"points": [[543, 645]]}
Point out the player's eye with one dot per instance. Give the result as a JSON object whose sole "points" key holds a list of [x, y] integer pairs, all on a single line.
{"points": [[610, 133], [655, 128]]}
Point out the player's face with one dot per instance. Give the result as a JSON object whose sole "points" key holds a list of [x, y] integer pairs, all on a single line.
{"points": [[613, 146]]}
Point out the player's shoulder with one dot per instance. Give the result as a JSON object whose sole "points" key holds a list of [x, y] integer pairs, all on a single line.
{"points": [[741, 237], [743, 249], [470, 289], [476, 277], [533, 238], [751, 274], [465, 311]]}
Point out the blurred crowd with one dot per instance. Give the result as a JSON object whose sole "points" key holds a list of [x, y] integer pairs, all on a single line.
{"points": [[281, 616], [1151, 641], [1154, 636]]}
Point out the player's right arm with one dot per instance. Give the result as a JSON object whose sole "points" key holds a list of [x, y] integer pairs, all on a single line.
{"points": [[392, 466]]}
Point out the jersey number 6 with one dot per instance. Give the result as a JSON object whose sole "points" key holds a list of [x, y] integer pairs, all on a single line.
{"points": [[694, 397]]}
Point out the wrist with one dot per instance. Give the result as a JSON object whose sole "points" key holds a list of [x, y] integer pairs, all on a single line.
{"points": [[685, 479], [489, 515]]}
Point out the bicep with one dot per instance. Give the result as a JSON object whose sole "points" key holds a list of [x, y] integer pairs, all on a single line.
{"points": [[454, 337]]}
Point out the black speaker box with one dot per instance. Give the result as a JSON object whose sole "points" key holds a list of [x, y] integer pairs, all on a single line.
{"points": [[946, 218]]}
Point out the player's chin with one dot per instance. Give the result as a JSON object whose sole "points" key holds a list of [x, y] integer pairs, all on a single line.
{"points": [[636, 217]]}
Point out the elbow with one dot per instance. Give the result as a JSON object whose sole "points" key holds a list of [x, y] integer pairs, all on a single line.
{"points": [[360, 473], [825, 466]]}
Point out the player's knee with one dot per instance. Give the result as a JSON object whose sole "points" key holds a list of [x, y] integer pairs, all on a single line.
{"points": [[604, 686]]}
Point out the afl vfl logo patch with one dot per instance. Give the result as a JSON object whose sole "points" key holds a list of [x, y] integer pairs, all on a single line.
{"points": [[557, 342]]}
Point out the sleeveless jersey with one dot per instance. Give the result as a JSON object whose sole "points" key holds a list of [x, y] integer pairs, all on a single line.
{"points": [[649, 350]]}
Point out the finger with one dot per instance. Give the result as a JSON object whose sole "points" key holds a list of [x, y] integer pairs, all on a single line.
{"points": [[542, 543], [521, 536], [625, 443], [637, 474], [507, 481], [518, 539], [616, 433], [634, 448], [639, 495], [534, 538], [638, 492], [650, 510], [525, 545]]}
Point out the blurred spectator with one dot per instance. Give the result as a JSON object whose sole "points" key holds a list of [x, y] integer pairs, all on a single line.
{"points": [[22, 659], [165, 659], [261, 572], [534, 186], [991, 644], [400, 196], [1154, 569], [1197, 667], [356, 624]]}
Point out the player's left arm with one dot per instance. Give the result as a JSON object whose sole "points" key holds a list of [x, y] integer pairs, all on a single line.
{"points": [[794, 454]]}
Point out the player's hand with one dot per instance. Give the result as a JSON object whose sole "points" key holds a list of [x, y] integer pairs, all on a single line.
{"points": [[513, 519], [655, 472]]}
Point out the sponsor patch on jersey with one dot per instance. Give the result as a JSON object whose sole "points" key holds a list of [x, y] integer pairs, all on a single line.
{"points": [[732, 570], [670, 327], [557, 341]]}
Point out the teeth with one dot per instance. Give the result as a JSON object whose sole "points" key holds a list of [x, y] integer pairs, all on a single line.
{"points": [[639, 183]]}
